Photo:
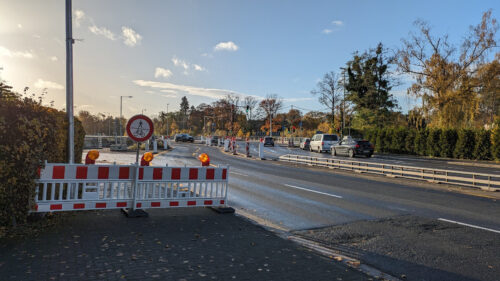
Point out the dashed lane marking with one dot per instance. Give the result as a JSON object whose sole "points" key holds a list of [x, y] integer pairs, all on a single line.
{"points": [[310, 190], [470, 225]]}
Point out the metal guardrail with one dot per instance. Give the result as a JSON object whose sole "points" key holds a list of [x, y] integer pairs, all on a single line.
{"points": [[489, 182]]}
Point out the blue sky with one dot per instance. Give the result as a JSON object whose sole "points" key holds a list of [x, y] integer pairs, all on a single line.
{"points": [[159, 51]]}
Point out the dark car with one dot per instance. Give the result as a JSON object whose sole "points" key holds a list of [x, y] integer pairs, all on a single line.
{"points": [[351, 147], [188, 138], [268, 141], [214, 140], [183, 138]]}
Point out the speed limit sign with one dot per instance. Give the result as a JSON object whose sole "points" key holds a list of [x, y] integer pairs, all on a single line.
{"points": [[140, 128]]}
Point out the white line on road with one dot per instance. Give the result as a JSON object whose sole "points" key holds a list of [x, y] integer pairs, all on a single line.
{"points": [[232, 172], [319, 192], [470, 225]]}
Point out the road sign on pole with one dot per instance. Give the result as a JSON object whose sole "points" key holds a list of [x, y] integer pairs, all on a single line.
{"points": [[140, 128]]}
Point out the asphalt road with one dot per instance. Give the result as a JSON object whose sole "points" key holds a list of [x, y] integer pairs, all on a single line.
{"points": [[310, 200], [457, 165]]}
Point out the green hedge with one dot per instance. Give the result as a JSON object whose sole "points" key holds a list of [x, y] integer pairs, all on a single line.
{"points": [[31, 134], [451, 143]]}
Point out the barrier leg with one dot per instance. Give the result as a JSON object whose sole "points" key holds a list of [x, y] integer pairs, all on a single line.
{"points": [[133, 212]]}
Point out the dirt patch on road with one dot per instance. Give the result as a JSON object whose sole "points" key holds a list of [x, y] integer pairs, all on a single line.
{"points": [[415, 248]]}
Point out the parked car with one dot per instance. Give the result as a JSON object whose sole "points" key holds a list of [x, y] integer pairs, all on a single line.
{"points": [[268, 141], [305, 144], [352, 147], [183, 138], [214, 141], [178, 137], [323, 142], [188, 138]]}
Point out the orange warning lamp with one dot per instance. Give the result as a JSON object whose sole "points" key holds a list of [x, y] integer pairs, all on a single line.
{"points": [[205, 160], [146, 158], [92, 155]]}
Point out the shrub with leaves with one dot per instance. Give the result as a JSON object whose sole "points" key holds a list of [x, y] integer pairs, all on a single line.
{"points": [[433, 142], [482, 151], [32, 133], [381, 136], [421, 142], [495, 141], [448, 141], [398, 144], [466, 144], [410, 141]]}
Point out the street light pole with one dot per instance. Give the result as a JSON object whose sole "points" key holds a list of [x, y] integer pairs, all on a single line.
{"points": [[343, 102], [69, 83]]}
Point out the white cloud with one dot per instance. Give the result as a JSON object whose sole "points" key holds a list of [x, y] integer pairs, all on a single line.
{"points": [[131, 38], [162, 72], [198, 67], [226, 46], [54, 58], [326, 31], [42, 84], [4, 52], [207, 55], [338, 22], [20, 26], [179, 62], [102, 31], [78, 16], [183, 89]]}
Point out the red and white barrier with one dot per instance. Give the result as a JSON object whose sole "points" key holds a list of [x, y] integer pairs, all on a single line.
{"points": [[68, 187]]}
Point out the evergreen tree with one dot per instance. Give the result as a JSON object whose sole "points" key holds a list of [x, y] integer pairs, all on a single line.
{"points": [[369, 84], [482, 150]]}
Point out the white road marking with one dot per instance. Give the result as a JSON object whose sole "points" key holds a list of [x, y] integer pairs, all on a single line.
{"points": [[470, 225], [310, 190], [238, 173]]}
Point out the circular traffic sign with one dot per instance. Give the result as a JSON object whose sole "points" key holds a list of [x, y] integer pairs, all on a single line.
{"points": [[139, 128]]}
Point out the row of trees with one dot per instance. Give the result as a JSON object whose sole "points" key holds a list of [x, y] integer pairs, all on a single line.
{"points": [[458, 86], [477, 144]]}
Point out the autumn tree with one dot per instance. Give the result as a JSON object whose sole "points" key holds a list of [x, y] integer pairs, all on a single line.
{"points": [[444, 74], [269, 107], [328, 93]]}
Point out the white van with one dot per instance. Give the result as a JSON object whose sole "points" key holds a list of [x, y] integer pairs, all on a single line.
{"points": [[323, 142]]}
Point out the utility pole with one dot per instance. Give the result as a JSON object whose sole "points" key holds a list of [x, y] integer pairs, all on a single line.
{"points": [[69, 83], [167, 120], [343, 103]]}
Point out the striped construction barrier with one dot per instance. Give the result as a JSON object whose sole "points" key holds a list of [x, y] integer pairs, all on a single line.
{"points": [[70, 187]]}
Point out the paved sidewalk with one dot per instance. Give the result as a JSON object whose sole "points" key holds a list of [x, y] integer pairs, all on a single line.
{"points": [[172, 244]]}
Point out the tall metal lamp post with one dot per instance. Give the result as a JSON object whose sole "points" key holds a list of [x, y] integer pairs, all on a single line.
{"points": [[69, 83]]}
